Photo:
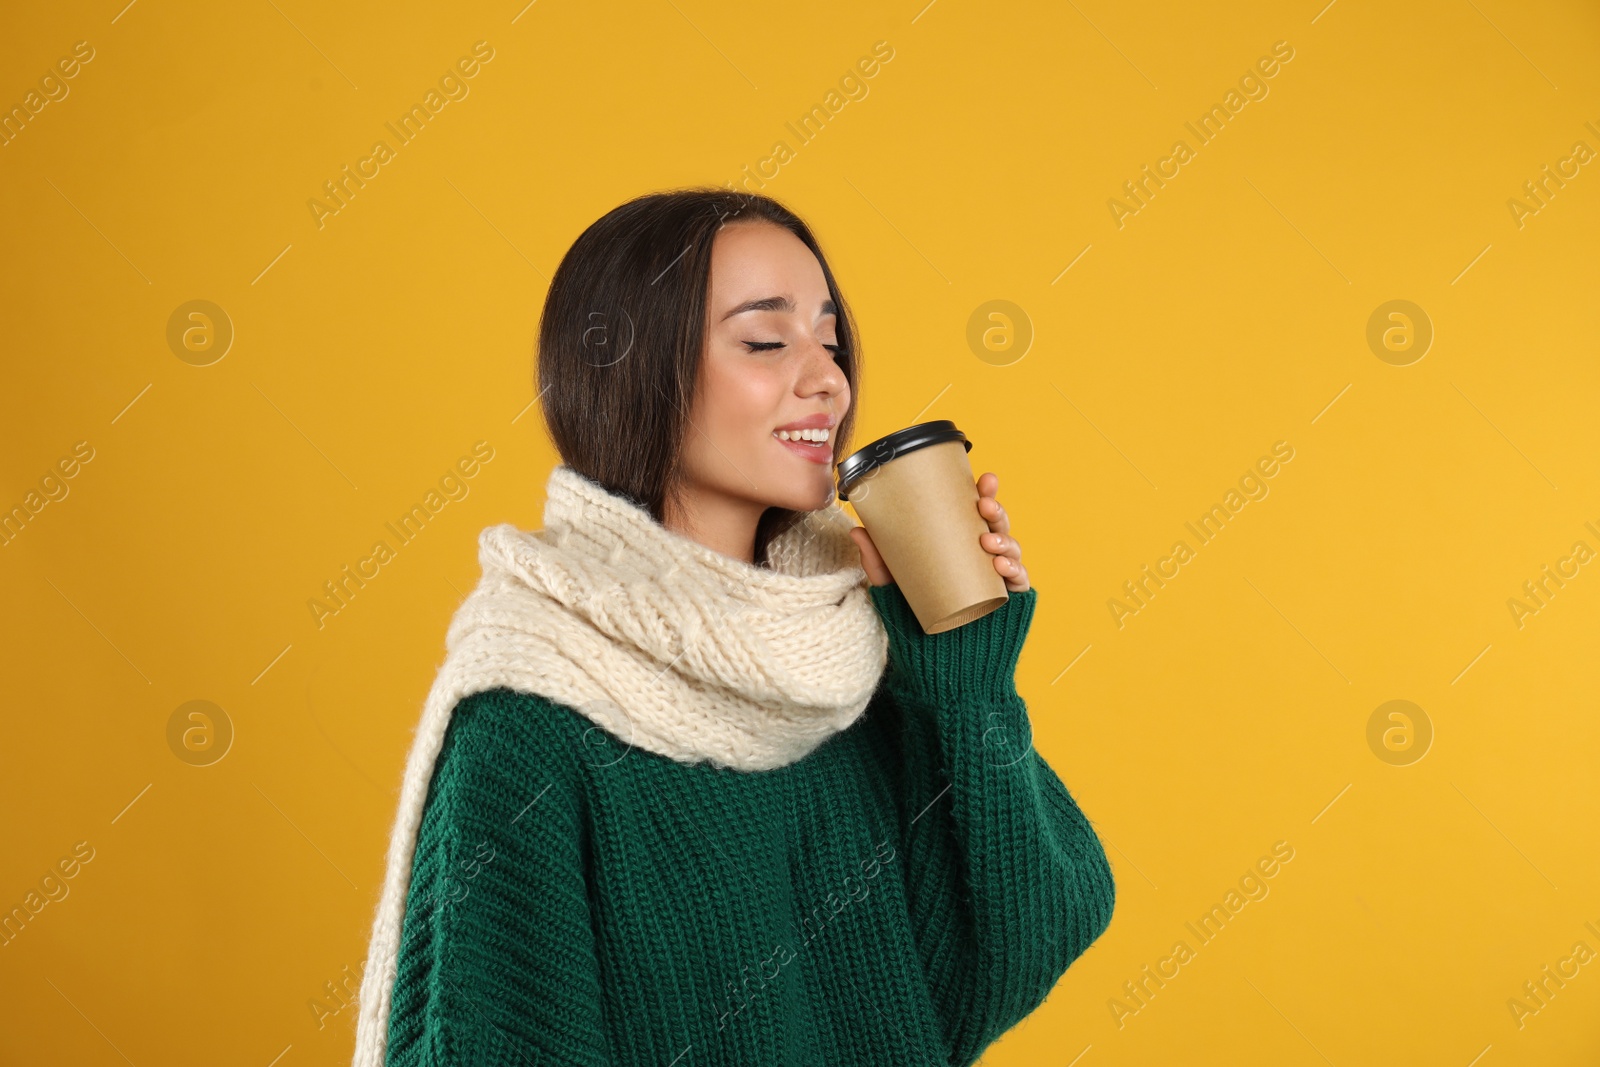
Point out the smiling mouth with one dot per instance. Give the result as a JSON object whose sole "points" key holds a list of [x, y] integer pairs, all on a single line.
{"points": [[819, 436], [813, 445]]}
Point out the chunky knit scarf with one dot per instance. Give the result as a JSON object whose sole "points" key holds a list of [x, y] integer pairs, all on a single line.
{"points": [[670, 646]]}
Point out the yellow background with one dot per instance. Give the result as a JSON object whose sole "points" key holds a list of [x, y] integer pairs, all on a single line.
{"points": [[1228, 314]]}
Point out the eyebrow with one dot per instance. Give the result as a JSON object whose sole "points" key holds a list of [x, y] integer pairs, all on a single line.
{"points": [[777, 303]]}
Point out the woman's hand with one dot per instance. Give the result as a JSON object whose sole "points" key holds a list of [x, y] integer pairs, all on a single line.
{"points": [[1007, 553]]}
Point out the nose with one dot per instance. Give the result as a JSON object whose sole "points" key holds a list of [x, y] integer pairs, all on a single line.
{"points": [[822, 374]]}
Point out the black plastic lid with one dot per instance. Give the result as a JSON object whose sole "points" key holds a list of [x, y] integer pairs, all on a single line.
{"points": [[864, 461]]}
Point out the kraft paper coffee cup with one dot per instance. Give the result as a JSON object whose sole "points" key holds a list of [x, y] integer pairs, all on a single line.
{"points": [[915, 494]]}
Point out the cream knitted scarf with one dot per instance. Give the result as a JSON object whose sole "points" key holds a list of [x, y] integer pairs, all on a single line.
{"points": [[668, 645]]}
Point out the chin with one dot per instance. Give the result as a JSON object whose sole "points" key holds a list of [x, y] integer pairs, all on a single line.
{"points": [[807, 494]]}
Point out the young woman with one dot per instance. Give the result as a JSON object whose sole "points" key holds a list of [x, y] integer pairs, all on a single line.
{"points": [[693, 786]]}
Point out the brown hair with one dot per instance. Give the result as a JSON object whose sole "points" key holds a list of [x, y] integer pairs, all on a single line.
{"points": [[623, 331]]}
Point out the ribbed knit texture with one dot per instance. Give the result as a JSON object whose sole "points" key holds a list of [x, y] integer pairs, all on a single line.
{"points": [[680, 650], [904, 894]]}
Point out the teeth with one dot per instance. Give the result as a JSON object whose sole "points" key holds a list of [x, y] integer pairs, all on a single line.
{"points": [[817, 436]]}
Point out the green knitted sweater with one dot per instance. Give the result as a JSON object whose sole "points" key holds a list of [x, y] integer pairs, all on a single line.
{"points": [[904, 894]]}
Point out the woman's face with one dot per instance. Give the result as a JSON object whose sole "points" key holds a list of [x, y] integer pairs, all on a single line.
{"points": [[767, 365]]}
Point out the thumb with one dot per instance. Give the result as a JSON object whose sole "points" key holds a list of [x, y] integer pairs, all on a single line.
{"points": [[871, 561]]}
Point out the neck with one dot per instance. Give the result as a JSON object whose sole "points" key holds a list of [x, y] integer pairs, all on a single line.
{"points": [[722, 523]]}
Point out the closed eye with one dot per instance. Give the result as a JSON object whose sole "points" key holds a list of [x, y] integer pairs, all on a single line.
{"points": [[768, 346]]}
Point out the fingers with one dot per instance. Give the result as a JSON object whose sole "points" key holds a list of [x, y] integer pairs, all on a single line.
{"points": [[1007, 552], [1007, 560], [990, 508], [1002, 545], [1015, 574]]}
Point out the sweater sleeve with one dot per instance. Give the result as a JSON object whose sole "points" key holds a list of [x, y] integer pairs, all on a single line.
{"points": [[497, 963], [1006, 879]]}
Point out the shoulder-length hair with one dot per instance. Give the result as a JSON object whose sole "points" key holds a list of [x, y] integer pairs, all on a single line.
{"points": [[623, 331]]}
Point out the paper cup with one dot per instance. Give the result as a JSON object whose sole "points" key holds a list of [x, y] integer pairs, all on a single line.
{"points": [[915, 494]]}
